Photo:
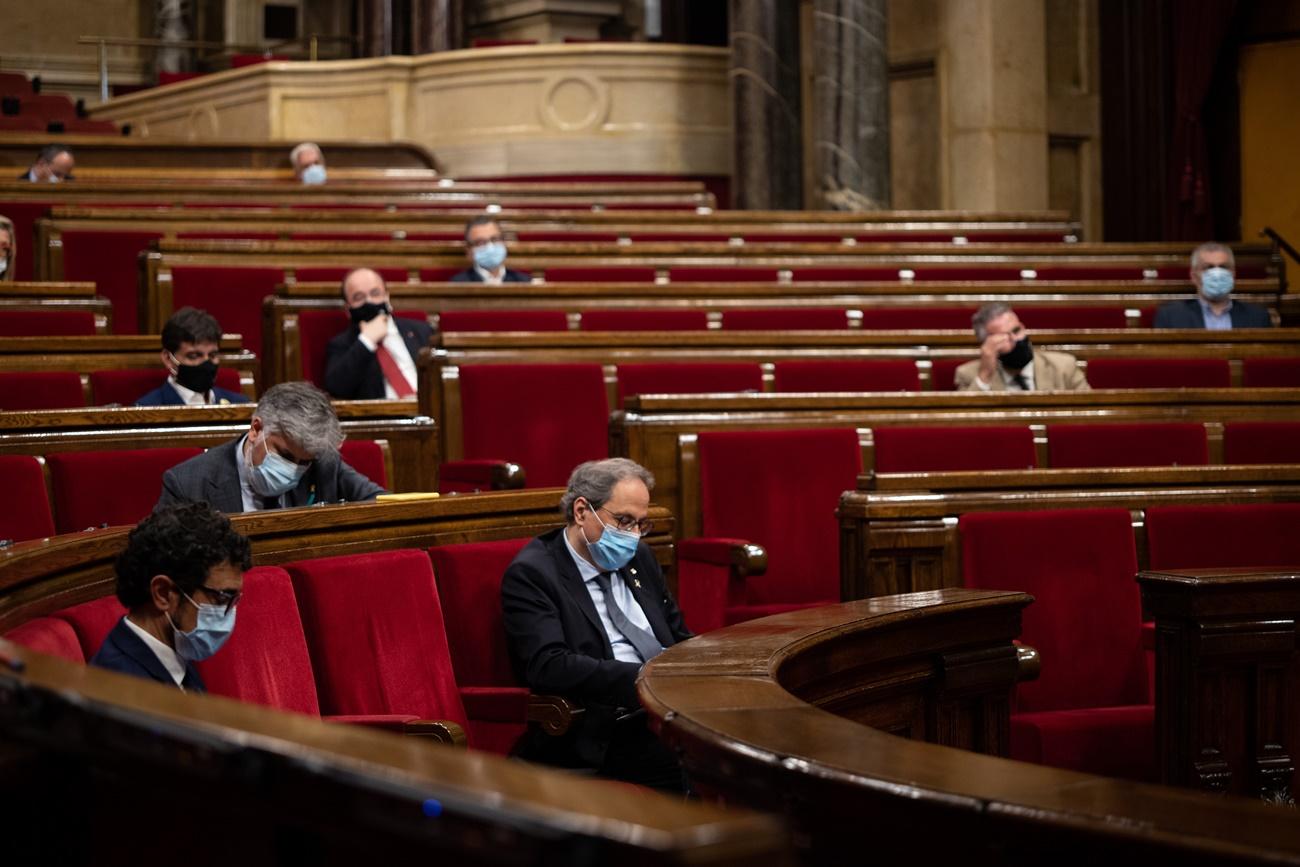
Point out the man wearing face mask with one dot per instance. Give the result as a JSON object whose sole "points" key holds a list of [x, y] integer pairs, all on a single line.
{"points": [[308, 163], [1008, 360], [1213, 271], [191, 353], [7, 252], [486, 251], [180, 578], [585, 606], [375, 357], [289, 457], [53, 164]]}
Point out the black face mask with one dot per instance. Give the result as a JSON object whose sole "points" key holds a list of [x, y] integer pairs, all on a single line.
{"points": [[1019, 356], [197, 377], [368, 311]]}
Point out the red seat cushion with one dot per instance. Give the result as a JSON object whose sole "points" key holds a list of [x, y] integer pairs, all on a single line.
{"points": [[503, 320], [612, 274], [92, 621], [47, 323], [438, 275], [40, 389], [315, 330], [336, 273], [900, 318], [645, 320], [109, 260], [688, 378], [469, 584], [1255, 535], [785, 319], [25, 508], [939, 449], [548, 418], [722, 274], [48, 635], [125, 387], [943, 373], [265, 659], [844, 274], [1069, 318], [232, 294], [884, 375], [24, 215], [112, 488], [1270, 372], [1111, 741], [367, 458], [1261, 442], [1158, 373], [1171, 444]]}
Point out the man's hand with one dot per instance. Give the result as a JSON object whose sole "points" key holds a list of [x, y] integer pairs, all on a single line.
{"points": [[376, 329], [993, 347]]}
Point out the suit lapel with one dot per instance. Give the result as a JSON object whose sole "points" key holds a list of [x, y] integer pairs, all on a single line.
{"points": [[131, 645], [576, 587], [1044, 375], [224, 491], [412, 340]]}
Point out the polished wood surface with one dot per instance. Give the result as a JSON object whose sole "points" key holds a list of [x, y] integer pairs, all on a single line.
{"points": [[46, 289], [100, 308], [19, 149]]}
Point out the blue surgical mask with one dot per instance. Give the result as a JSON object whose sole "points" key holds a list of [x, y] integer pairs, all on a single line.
{"points": [[274, 475], [1216, 283], [214, 626], [314, 174], [490, 256], [614, 549]]}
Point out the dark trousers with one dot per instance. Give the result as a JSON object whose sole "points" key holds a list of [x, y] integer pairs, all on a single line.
{"points": [[635, 755]]}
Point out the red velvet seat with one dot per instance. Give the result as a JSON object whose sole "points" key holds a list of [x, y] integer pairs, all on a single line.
{"points": [[609, 274], [940, 449], [1158, 373], [112, 487], [1089, 710], [907, 318], [469, 584], [1261, 442], [503, 320], [367, 458], [336, 273], [548, 418], [343, 236], [1270, 372], [25, 508], [1161, 444], [1071, 318], [22, 123], [438, 275], [24, 215], [722, 274], [48, 635], [231, 294], [51, 106], [39, 389], [108, 259], [47, 323], [785, 319], [645, 320], [92, 621], [572, 237], [778, 489], [1256, 535], [812, 376], [227, 236], [844, 274], [375, 635], [125, 387], [688, 378], [315, 330], [943, 373]]}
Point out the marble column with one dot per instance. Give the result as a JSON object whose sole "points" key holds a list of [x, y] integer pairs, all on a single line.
{"points": [[435, 25], [850, 110], [375, 27], [765, 104]]}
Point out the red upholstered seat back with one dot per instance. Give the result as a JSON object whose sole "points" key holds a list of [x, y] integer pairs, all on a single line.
{"points": [[1072, 317], [113, 487], [612, 274], [1261, 442], [722, 274], [1256, 535], [548, 418], [47, 323], [109, 260], [785, 319], [1159, 373], [503, 320], [333, 273], [1085, 621], [375, 633], [780, 489], [937, 449], [48, 635], [469, 582], [92, 621], [25, 507], [1270, 372], [40, 389], [367, 458], [232, 294], [24, 216], [943, 373], [688, 378], [128, 386], [265, 659], [1171, 444], [315, 330], [437, 275], [645, 320], [896, 318], [884, 375]]}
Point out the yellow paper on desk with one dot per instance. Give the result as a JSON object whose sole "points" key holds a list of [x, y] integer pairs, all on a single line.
{"points": [[402, 498]]}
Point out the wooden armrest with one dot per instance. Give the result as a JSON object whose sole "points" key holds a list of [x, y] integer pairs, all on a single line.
{"points": [[1030, 664], [554, 714], [744, 558], [442, 731], [487, 475]]}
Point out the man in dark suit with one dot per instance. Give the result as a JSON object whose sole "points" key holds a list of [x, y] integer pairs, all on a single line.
{"points": [[191, 354], [289, 457], [375, 357], [53, 164], [1213, 272], [486, 251], [585, 606], [180, 578]]}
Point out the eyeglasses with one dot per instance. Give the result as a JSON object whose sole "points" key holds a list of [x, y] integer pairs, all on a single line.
{"points": [[228, 598], [628, 524], [482, 242]]}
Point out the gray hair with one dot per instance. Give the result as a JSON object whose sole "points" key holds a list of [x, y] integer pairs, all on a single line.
{"points": [[301, 413], [594, 482], [301, 149], [986, 314], [1213, 247]]}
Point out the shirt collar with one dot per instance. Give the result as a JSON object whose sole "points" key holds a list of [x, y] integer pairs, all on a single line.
{"points": [[487, 275], [585, 569], [1205, 306], [191, 398], [166, 655]]}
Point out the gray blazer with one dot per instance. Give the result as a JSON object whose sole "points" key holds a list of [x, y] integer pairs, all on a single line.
{"points": [[214, 477]]}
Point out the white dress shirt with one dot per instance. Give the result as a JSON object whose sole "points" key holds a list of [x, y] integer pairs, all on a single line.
{"points": [[489, 279], [624, 651], [396, 347], [1009, 379], [191, 398], [166, 655]]}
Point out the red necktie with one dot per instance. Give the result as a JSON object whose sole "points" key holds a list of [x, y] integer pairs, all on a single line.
{"points": [[393, 373]]}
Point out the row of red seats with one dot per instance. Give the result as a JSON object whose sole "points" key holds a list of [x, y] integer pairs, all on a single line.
{"points": [[32, 390], [109, 488]]}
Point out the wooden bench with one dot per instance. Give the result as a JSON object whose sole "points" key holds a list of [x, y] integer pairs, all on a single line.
{"points": [[16, 289], [99, 311]]}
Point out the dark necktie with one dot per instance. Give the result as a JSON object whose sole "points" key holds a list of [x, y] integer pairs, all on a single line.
{"points": [[647, 646], [1019, 379]]}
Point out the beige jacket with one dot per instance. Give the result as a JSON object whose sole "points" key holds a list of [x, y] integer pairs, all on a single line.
{"points": [[1053, 371]]}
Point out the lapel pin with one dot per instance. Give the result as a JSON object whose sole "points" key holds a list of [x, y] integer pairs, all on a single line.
{"points": [[637, 583]]}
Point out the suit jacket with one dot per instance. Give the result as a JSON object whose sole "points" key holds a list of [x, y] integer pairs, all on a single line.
{"points": [[214, 477], [124, 651], [469, 275], [165, 395], [559, 647], [1188, 314], [352, 371], [1053, 371]]}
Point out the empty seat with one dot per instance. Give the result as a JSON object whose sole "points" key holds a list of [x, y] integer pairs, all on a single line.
{"points": [[1255, 535], [1261, 442], [1158, 373], [1270, 372], [334, 273], [368, 458], [943, 373], [92, 621], [47, 323], [41, 390], [125, 387], [944, 449], [722, 274], [905, 318], [48, 635], [25, 508], [645, 320], [883, 375], [609, 274], [111, 487], [688, 378], [315, 330], [1171, 444], [503, 320], [786, 319], [231, 294], [1089, 711], [51, 106], [438, 275], [108, 259], [1069, 318]]}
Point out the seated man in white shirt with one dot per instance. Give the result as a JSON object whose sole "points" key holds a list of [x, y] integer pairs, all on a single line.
{"points": [[1008, 360], [180, 578], [375, 357], [191, 354]]}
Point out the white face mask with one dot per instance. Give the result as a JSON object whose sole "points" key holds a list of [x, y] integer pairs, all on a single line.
{"points": [[314, 174]]}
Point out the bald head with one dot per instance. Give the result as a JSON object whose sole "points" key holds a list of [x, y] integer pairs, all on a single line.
{"points": [[364, 285]]}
